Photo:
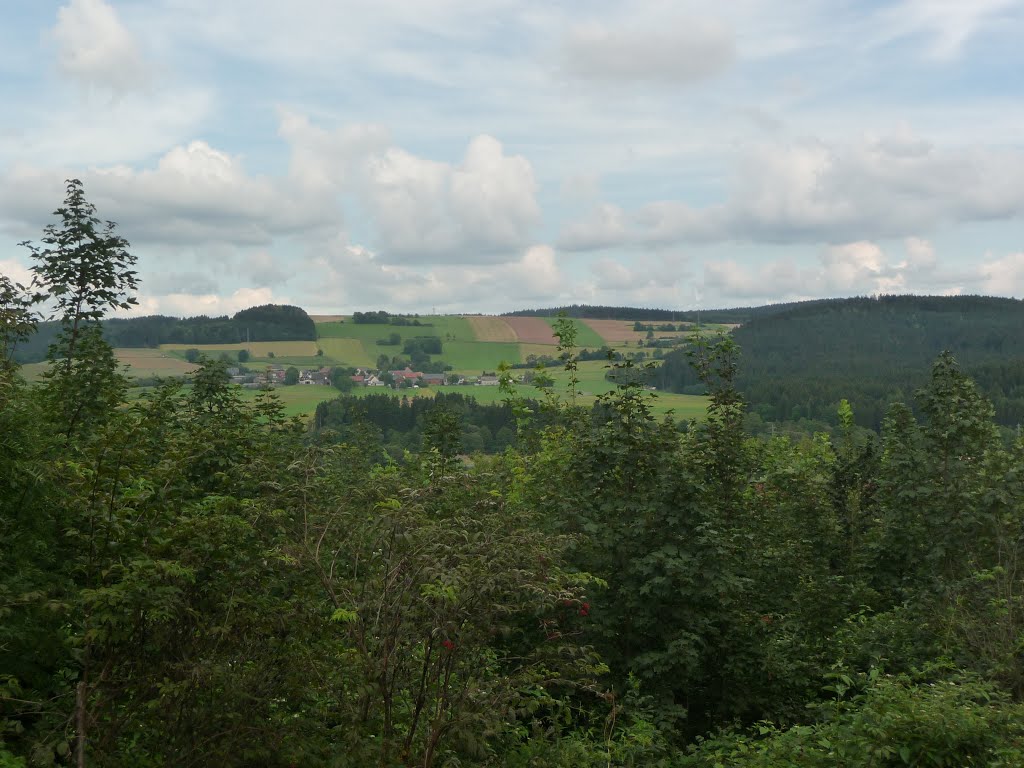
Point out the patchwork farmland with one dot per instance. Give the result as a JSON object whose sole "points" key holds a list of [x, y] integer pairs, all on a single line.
{"points": [[470, 344]]}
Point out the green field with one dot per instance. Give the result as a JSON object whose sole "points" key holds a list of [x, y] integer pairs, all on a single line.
{"points": [[348, 351], [301, 400], [476, 356], [298, 400], [586, 337], [138, 363], [356, 343]]}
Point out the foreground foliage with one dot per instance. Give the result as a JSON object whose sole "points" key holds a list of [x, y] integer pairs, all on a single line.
{"points": [[192, 580]]}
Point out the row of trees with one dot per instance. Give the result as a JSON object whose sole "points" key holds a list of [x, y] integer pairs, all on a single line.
{"points": [[383, 317], [188, 580], [270, 322]]}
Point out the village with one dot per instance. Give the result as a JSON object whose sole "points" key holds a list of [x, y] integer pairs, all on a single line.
{"points": [[280, 375]]}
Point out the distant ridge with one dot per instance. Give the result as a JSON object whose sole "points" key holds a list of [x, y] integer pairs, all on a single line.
{"points": [[729, 315], [800, 361]]}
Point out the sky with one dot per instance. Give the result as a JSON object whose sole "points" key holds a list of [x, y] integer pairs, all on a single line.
{"points": [[491, 155]]}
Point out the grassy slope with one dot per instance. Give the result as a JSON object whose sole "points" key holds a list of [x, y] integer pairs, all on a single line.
{"points": [[342, 342], [586, 337]]}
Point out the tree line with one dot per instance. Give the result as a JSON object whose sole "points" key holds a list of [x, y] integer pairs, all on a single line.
{"points": [[599, 312], [270, 322]]}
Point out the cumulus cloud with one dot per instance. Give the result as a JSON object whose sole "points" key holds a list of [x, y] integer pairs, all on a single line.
{"points": [[96, 49], [329, 159], [190, 304], [605, 227], [677, 51], [752, 283], [15, 271], [861, 268], [1003, 276], [357, 278], [195, 194], [480, 210], [812, 191], [664, 279]]}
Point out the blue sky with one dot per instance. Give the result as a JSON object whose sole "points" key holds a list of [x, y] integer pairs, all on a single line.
{"points": [[488, 155]]}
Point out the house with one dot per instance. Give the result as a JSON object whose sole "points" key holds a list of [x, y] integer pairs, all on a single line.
{"points": [[433, 379], [407, 375], [359, 380], [373, 381], [487, 380], [321, 376]]}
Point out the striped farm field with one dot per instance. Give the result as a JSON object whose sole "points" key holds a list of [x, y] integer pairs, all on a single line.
{"points": [[256, 348], [348, 351], [615, 331], [491, 328], [586, 337], [531, 330], [327, 318], [152, 362], [525, 350]]}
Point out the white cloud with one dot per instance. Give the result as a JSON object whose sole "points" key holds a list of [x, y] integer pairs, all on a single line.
{"points": [[812, 191], [852, 266], [190, 305], [862, 268], [677, 50], [729, 280], [663, 280], [355, 278], [95, 48], [1003, 276], [480, 210], [15, 271], [603, 228], [329, 160], [195, 194]]}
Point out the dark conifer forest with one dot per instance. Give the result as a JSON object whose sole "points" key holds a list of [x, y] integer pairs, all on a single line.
{"points": [[188, 579], [799, 363]]}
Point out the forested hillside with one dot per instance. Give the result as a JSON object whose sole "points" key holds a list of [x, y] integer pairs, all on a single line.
{"points": [[270, 322], [733, 315], [190, 580], [872, 351]]}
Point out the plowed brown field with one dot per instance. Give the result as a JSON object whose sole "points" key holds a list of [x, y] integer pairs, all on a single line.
{"points": [[531, 330]]}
